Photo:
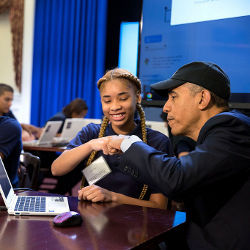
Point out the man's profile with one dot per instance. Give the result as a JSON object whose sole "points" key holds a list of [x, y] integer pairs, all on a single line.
{"points": [[213, 180]]}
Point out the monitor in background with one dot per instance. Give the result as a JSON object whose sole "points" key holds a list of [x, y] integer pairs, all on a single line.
{"points": [[128, 46], [176, 32], [158, 126]]}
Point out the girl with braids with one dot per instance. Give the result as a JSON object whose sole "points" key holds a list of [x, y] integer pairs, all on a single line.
{"points": [[120, 97]]}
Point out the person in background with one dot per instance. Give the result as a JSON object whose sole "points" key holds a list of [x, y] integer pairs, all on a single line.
{"points": [[75, 109], [120, 97], [213, 180], [10, 146], [29, 132]]}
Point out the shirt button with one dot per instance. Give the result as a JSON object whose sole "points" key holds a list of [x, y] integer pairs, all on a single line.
{"points": [[136, 174], [132, 172]]}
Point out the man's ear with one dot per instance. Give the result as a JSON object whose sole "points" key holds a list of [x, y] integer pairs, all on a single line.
{"points": [[205, 98]]}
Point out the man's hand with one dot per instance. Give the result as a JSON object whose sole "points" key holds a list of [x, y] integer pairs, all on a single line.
{"points": [[27, 136], [32, 130], [114, 144]]}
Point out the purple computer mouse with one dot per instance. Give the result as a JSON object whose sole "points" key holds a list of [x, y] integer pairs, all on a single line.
{"points": [[68, 219]]}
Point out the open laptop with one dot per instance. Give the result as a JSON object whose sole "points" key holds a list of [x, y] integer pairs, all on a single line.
{"points": [[46, 138], [29, 205], [70, 129]]}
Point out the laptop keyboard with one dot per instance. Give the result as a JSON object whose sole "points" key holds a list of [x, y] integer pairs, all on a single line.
{"points": [[31, 204]]}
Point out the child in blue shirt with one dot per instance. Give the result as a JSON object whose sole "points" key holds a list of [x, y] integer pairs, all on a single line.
{"points": [[120, 97]]}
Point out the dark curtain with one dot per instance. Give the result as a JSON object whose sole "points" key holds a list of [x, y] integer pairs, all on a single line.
{"points": [[69, 56]]}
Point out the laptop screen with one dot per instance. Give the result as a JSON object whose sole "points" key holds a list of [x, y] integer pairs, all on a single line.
{"points": [[49, 131], [71, 127], [4, 180]]}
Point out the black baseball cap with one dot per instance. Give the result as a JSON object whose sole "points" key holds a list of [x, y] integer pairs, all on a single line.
{"points": [[205, 74]]}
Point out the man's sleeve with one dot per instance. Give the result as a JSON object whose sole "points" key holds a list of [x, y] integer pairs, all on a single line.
{"points": [[151, 167], [209, 162]]}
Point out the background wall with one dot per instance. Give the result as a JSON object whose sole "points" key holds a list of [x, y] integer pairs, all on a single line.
{"points": [[6, 59], [118, 11], [21, 103]]}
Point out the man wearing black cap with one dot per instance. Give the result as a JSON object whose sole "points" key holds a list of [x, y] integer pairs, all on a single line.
{"points": [[214, 179]]}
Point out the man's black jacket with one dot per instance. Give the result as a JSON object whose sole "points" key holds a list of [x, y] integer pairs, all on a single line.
{"points": [[213, 180]]}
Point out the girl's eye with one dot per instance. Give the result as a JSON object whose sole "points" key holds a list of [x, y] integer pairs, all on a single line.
{"points": [[124, 99], [106, 101]]}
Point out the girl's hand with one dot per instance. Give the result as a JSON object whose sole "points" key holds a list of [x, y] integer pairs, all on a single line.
{"points": [[109, 145], [100, 144], [95, 194]]}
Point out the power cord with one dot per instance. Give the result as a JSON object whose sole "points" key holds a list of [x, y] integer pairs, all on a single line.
{"points": [[3, 208]]}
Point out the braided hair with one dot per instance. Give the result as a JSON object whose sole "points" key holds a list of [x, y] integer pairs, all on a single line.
{"points": [[118, 73]]}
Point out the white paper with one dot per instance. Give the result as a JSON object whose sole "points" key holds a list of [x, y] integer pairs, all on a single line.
{"points": [[96, 170]]}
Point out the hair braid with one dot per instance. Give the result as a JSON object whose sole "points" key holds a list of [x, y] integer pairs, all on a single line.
{"points": [[144, 138], [143, 122]]}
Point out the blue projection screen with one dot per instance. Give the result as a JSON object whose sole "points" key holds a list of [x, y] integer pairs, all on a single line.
{"points": [[181, 31], [128, 46]]}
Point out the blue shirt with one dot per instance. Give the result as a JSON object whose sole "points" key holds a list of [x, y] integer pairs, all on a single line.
{"points": [[117, 181], [10, 146]]}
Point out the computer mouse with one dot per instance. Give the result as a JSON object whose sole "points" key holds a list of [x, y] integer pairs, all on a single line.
{"points": [[68, 219]]}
